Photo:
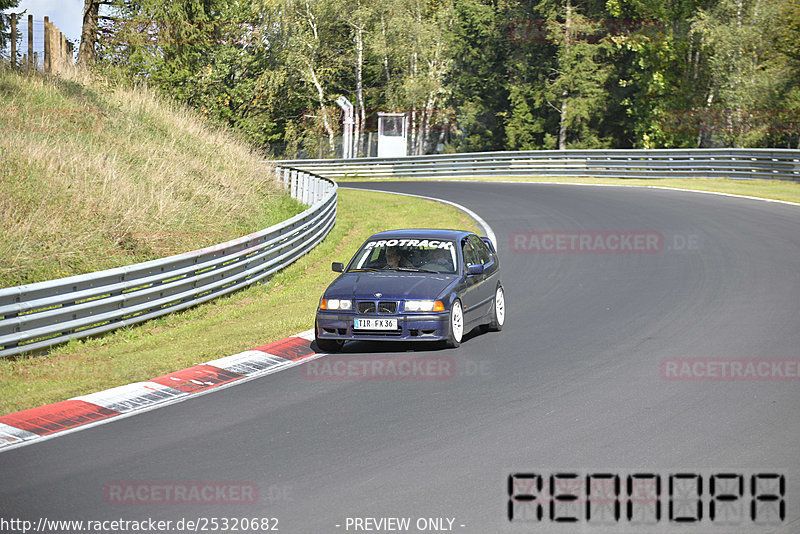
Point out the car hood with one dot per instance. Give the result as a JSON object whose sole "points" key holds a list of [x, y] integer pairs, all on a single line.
{"points": [[391, 285]]}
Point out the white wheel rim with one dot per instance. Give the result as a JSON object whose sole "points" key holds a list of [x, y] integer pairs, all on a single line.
{"points": [[457, 321], [500, 306]]}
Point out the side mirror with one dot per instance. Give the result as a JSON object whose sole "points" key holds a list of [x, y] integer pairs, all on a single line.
{"points": [[337, 266], [475, 269]]}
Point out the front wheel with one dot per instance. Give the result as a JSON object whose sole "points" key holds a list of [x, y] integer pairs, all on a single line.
{"points": [[456, 324], [498, 310]]}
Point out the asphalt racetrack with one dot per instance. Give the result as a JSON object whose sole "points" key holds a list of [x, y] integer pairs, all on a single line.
{"points": [[652, 338]]}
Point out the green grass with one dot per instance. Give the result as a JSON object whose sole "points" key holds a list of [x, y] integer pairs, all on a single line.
{"points": [[94, 176], [242, 321], [772, 189]]}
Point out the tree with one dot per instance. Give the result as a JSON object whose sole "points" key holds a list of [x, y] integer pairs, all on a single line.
{"points": [[788, 23], [746, 74], [5, 23], [575, 87], [423, 61], [167, 43], [313, 47], [658, 74], [477, 74], [559, 67], [479, 43], [529, 121], [360, 20], [89, 29], [787, 41]]}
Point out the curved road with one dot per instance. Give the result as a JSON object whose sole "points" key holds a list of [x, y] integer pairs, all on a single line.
{"points": [[592, 374]]}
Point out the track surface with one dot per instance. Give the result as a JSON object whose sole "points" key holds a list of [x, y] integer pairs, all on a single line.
{"points": [[573, 383]]}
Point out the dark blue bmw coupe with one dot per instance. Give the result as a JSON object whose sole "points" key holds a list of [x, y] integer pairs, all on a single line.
{"points": [[413, 285]]}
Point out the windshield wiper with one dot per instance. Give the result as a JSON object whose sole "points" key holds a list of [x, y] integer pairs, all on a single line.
{"points": [[414, 270], [369, 269]]}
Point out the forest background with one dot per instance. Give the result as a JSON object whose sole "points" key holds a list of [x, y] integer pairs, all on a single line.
{"points": [[472, 75]]}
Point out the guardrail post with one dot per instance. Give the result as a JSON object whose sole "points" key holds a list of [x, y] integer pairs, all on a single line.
{"points": [[293, 184], [313, 190], [298, 188]]}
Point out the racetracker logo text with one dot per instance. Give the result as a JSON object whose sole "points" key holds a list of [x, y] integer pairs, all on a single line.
{"points": [[730, 369], [380, 368], [587, 242], [180, 493]]}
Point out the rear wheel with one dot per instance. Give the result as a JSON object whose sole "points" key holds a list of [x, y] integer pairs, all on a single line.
{"points": [[456, 324], [327, 345], [498, 310]]}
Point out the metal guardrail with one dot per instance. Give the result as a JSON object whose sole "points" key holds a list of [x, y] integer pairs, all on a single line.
{"points": [[771, 164], [39, 315]]}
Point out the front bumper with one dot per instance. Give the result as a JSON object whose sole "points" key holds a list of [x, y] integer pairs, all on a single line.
{"points": [[410, 327]]}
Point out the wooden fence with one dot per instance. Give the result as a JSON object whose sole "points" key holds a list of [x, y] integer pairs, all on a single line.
{"points": [[57, 51]]}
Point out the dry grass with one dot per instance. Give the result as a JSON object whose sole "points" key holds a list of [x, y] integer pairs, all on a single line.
{"points": [[94, 176]]}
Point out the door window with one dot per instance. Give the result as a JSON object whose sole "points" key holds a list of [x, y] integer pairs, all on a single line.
{"points": [[470, 256], [481, 251]]}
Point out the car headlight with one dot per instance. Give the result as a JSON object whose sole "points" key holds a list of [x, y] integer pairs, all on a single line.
{"points": [[336, 304], [424, 305]]}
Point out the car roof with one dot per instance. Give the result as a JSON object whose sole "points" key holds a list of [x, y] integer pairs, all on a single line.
{"points": [[423, 233]]}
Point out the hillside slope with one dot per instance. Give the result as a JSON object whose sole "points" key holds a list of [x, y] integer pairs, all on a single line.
{"points": [[94, 176]]}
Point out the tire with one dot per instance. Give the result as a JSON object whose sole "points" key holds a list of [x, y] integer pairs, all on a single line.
{"points": [[456, 324], [327, 345], [498, 310]]}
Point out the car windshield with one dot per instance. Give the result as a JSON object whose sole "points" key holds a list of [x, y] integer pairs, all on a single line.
{"points": [[422, 255]]}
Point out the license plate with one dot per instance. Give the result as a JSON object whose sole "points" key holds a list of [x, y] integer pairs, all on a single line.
{"points": [[374, 323]]}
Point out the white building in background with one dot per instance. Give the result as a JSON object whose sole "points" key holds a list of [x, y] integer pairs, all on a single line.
{"points": [[392, 135]]}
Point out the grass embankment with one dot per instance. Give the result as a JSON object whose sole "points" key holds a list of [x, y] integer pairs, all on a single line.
{"points": [[772, 189], [247, 319], [94, 176]]}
